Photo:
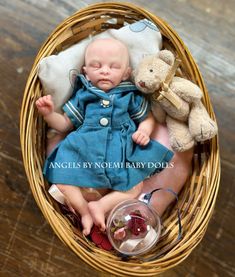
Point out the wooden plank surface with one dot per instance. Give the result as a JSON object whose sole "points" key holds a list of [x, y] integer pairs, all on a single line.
{"points": [[28, 246]]}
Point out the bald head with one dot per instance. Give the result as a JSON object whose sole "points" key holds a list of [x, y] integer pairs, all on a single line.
{"points": [[108, 46]]}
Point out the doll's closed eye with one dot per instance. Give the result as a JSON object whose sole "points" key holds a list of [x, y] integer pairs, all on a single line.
{"points": [[95, 65], [115, 66]]}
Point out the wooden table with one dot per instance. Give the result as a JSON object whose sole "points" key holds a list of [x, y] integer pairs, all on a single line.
{"points": [[28, 246]]}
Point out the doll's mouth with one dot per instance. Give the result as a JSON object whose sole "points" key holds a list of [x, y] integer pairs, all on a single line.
{"points": [[105, 81]]}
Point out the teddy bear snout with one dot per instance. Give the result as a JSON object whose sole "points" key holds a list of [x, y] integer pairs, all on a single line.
{"points": [[142, 84]]}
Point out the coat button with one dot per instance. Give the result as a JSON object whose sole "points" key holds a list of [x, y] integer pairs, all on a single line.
{"points": [[105, 103], [104, 121]]}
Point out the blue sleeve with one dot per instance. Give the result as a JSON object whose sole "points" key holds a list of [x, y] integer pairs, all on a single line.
{"points": [[139, 107], [74, 109]]}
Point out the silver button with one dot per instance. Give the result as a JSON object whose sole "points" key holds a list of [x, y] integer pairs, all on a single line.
{"points": [[105, 103], [104, 121]]}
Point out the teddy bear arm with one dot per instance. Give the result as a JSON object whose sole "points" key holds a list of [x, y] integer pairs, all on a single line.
{"points": [[186, 90], [181, 113]]}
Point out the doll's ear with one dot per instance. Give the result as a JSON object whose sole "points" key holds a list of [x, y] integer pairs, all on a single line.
{"points": [[73, 73], [84, 72], [127, 74]]}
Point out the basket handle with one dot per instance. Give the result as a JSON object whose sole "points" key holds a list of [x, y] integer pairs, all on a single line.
{"points": [[147, 197]]}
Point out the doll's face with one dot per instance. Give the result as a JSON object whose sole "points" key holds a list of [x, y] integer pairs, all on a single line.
{"points": [[106, 63]]}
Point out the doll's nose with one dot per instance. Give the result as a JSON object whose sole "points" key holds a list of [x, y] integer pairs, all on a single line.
{"points": [[142, 84], [105, 70]]}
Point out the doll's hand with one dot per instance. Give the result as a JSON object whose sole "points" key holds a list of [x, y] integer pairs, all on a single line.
{"points": [[45, 105], [141, 138]]}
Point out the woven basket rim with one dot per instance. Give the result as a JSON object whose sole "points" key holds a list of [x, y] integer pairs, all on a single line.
{"points": [[204, 183]]}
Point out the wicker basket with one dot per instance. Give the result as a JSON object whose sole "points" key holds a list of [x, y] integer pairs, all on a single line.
{"points": [[197, 198]]}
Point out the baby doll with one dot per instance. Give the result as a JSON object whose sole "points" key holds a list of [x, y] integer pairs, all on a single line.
{"points": [[110, 145]]}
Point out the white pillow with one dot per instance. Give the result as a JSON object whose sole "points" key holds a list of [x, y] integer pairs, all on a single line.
{"points": [[142, 38]]}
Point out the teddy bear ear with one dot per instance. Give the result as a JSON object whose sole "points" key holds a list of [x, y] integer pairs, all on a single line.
{"points": [[167, 56]]}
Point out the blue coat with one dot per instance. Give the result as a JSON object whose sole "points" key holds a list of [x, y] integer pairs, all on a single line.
{"points": [[100, 152]]}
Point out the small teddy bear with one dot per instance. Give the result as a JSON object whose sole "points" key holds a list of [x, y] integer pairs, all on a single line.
{"points": [[174, 100]]}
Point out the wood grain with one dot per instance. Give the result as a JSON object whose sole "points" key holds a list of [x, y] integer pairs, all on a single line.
{"points": [[27, 243]]}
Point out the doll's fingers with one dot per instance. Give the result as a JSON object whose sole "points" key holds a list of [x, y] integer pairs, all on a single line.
{"points": [[140, 139], [39, 102], [48, 97], [41, 99], [135, 136], [44, 99], [145, 141], [47, 101]]}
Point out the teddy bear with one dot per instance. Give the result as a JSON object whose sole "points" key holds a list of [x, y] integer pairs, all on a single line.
{"points": [[174, 100]]}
